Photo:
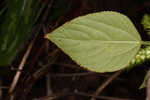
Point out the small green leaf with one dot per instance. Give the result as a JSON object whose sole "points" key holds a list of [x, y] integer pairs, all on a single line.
{"points": [[101, 42], [146, 23], [143, 85], [146, 78]]}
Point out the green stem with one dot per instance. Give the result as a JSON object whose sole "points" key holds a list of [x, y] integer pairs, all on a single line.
{"points": [[145, 43]]}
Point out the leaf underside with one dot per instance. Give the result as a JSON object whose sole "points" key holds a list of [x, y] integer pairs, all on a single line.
{"points": [[101, 42]]}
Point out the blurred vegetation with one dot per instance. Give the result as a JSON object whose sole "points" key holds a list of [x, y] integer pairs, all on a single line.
{"points": [[17, 19]]}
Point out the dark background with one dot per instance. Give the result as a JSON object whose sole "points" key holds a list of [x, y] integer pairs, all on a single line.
{"points": [[68, 81]]}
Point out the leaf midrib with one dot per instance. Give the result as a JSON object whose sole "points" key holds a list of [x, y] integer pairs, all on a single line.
{"points": [[107, 41]]}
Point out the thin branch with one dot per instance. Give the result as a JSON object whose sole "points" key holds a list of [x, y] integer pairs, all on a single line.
{"points": [[1, 91], [48, 84], [48, 76], [37, 31], [58, 95], [101, 97], [77, 74], [71, 74], [18, 73], [68, 65], [109, 80], [37, 75]]}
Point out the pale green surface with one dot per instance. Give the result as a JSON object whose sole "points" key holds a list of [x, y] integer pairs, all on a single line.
{"points": [[143, 85], [146, 23], [101, 42]]}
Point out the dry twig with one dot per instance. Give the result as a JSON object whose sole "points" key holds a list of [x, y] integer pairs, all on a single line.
{"points": [[18, 73], [71, 74], [58, 95], [100, 89]]}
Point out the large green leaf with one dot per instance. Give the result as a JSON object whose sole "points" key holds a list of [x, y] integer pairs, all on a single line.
{"points": [[102, 42]]}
